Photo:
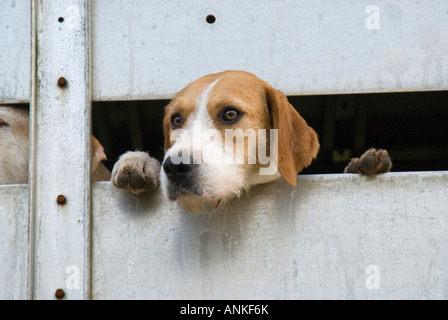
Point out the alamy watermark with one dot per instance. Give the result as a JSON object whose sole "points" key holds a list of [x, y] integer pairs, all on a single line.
{"points": [[210, 147], [373, 278], [72, 279], [373, 20]]}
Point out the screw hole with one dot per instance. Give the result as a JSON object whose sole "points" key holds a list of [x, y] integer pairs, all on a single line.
{"points": [[61, 19], [210, 19]]}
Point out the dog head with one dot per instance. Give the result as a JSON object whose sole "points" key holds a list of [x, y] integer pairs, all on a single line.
{"points": [[226, 132]]}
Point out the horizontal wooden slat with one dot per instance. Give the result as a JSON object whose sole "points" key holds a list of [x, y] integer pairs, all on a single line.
{"points": [[151, 49], [328, 238], [317, 240], [154, 48], [14, 241], [15, 51]]}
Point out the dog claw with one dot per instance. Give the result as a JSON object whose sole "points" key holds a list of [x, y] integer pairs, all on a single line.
{"points": [[371, 162]]}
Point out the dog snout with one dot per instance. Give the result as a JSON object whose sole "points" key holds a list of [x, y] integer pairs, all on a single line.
{"points": [[177, 172]]}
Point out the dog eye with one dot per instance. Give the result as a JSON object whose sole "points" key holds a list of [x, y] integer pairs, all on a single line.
{"points": [[176, 121], [230, 115]]}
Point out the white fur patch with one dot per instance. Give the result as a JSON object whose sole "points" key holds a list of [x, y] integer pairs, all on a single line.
{"points": [[201, 143], [13, 145]]}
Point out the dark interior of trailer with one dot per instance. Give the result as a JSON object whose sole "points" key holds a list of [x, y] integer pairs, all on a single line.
{"points": [[411, 126]]}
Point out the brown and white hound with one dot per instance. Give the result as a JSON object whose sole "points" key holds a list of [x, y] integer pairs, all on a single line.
{"points": [[224, 133]]}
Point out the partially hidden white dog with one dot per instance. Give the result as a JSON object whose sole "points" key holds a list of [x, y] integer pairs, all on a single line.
{"points": [[14, 148]]}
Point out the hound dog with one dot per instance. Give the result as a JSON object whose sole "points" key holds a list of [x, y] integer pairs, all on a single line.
{"points": [[224, 133], [14, 150]]}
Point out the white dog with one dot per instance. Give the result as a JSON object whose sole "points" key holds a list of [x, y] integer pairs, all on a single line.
{"points": [[14, 148]]}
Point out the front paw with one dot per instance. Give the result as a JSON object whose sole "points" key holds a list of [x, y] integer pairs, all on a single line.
{"points": [[371, 162], [136, 171]]}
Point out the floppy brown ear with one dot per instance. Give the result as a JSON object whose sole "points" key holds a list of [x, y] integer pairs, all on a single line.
{"points": [[297, 142]]}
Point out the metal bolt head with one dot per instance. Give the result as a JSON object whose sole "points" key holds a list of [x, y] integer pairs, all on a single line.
{"points": [[59, 294], [61, 199], [62, 82]]}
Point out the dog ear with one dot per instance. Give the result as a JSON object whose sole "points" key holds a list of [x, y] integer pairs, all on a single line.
{"points": [[97, 151], [297, 142]]}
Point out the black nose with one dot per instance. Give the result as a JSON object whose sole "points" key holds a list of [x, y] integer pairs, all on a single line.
{"points": [[176, 172]]}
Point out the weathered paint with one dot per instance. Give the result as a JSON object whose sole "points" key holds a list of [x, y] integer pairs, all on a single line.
{"points": [[331, 237], [14, 241], [60, 148], [154, 48], [15, 52], [150, 49]]}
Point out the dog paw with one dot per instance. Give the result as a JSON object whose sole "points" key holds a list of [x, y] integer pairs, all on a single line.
{"points": [[371, 162], [136, 171]]}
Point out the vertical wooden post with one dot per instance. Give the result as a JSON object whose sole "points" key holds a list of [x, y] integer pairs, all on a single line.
{"points": [[60, 150]]}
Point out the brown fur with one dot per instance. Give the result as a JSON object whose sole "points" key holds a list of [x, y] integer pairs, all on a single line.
{"points": [[297, 142], [264, 107], [371, 162]]}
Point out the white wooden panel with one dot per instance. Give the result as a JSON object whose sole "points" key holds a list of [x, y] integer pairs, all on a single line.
{"points": [[14, 242], [15, 51], [60, 162], [150, 49], [314, 241]]}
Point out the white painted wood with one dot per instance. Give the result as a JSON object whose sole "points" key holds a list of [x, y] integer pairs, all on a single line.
{"points": [[314, 241], [60, 156], [331, 237], [14, 242], [151, 49], [15, 51]]}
